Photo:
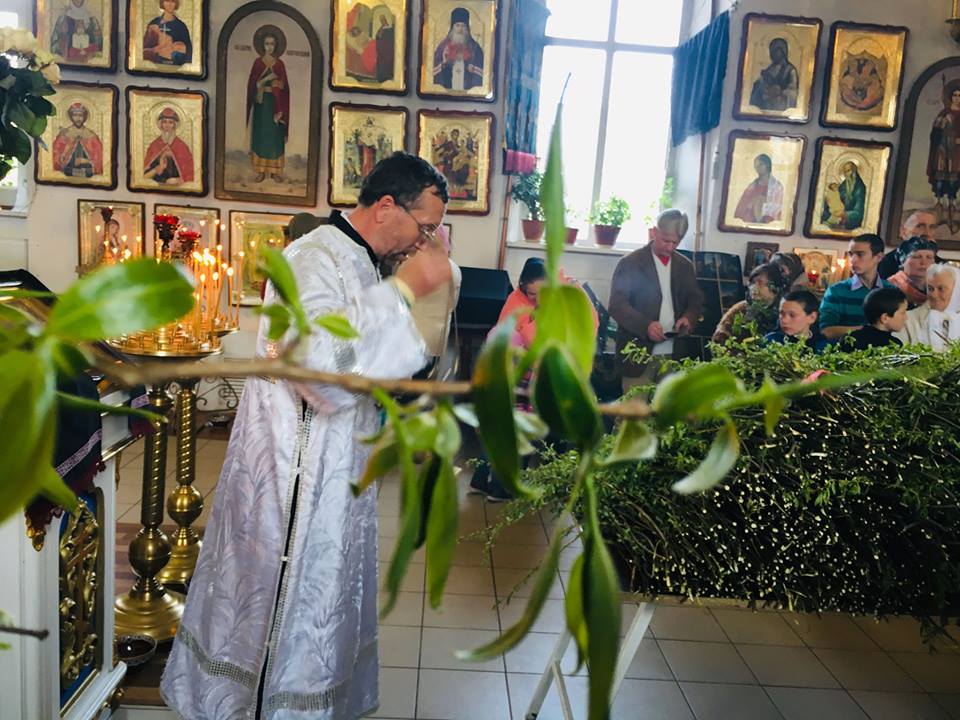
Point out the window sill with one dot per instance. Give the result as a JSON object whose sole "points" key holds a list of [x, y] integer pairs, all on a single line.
{"points": [[616, 250]]}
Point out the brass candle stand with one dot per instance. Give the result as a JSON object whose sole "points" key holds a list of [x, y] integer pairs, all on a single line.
{"points": [[149, 608]]}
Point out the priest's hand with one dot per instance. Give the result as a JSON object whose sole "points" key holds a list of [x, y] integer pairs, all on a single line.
{"points": [[426, 271]]}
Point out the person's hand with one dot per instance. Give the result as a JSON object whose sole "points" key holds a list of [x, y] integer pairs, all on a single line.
{"points": [[655, 332], [426, 271], [682, 326]]}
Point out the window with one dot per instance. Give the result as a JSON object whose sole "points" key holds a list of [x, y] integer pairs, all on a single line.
{"points": [[618, 55], [15, 178]]}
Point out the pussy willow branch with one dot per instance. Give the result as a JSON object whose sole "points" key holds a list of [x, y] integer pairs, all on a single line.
{"points": [[152, 373], [38, 634]]}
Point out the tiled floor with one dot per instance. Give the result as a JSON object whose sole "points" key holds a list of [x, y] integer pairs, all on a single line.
{"points": [[716, 663]]}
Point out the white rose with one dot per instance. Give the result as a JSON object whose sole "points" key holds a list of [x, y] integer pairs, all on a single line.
{"points": [[51, 72], [5, 33], [42, 57], [22, 41]]}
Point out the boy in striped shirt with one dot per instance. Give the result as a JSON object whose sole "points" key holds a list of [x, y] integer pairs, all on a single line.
{"points": [[841, 310]]}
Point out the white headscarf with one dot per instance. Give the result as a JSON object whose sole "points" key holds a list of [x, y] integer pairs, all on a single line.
{"points": [[944, 325]]}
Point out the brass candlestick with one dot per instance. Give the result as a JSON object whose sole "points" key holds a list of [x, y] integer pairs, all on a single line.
{"points": [[184, 504], [149, 608]]}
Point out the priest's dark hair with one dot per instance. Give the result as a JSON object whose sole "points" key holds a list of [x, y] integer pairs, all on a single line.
{"points": [[403, 177]]}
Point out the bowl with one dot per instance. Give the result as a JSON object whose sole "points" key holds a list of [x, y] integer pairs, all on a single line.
{"points": [[135, 649]]}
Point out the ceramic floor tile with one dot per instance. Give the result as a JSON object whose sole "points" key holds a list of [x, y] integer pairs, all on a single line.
{"points": [[131, 515], [398, 693], [388, 527], [900, 634], [531, 655], [756, 628], [385, 547], [476, 612], [705, 662], [467, 580], [627, 612], [131, 453], [859, 670], [494, 510], [471, 554], [789, 666], [950, 703], [656, 699], [412, 580], [519, 556], [937, 672], [518, 583], [830, 630], [408, 609], [899, 706], [399, 646], [813, 704], [462, 695], [686, 623], [649, 663], [523, 686], [552, 618], [521, 535], [440, 645], [712, 701]]}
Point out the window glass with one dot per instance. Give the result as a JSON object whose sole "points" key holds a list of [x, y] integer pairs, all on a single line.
{"points": [[581, 116], [647, 23], [577, 20], [637, 138]]}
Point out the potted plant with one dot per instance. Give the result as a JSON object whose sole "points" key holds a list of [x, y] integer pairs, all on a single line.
{"points": [[27, 75], [572, 231], [526, 190], [8, 193], [607, 218]]}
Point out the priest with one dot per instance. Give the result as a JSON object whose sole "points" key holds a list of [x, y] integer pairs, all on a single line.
{"points": [[281, 618]]}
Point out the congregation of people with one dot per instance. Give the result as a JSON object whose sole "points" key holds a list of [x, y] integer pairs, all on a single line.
{"points": [[907, 296]]}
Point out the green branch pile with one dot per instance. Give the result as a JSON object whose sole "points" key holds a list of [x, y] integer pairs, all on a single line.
{"points": [[851, 505]]}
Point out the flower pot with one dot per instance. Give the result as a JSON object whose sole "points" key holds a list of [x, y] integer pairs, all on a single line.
{"points": [[571, 235], [606, 234], [8, 197], [532, 230]]}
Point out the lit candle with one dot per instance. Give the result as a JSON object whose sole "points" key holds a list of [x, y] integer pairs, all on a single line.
{"points": [[229, 295]]}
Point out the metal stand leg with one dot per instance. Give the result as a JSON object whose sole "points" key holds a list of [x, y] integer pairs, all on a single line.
{"points": [[185, 503], [550, 673], [553, 673], [149, 608]]}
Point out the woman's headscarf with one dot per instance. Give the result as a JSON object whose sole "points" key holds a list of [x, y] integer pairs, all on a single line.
{"points": [[944, 325]]}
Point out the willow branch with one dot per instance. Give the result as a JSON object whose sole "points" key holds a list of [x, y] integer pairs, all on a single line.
{"points": [[38, 634], [154, 373]]}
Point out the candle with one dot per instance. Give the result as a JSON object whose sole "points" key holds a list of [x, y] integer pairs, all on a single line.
{"points": [[956, 3]]}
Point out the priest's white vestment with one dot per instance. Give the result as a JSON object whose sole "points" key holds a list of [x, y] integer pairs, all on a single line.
{"points": [[283, 603]]}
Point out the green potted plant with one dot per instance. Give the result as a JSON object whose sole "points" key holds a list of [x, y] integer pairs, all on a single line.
{"points": [[526, 189], [572, 230], [27, 76], [607, 217]]}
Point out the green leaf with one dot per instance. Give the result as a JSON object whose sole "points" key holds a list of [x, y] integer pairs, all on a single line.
{"points": [[564, 315], [410, 526], [634, 443], [279, 316], [551, 199], [695, 392], [123, 298], [544, 579], [274, 266], [383, 458], [466, 414], [18, 293], [563, 400], [493, 401], [601, 607], [573, 605], [773, 405], [421, 432], [75, 402], [529, 424], [337, 325], [719, 461], [441, 532], [53, 488], [448, 438], [70, 360]]}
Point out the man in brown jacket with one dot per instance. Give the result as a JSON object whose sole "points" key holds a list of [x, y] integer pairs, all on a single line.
{"points": [[655, 298]]}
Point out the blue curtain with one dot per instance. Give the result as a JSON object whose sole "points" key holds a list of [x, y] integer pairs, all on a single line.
{"points": [[699, 66], [527, 40]]}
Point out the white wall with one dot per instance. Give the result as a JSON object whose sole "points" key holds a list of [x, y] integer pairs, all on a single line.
{"points": [[47, 236], [928, 42]]}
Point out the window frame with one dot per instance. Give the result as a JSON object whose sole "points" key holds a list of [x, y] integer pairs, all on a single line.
{"points": [[610, 47], [23, 171]]}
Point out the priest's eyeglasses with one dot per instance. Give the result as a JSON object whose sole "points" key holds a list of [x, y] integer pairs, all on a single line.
{"points": [[427, 231]]}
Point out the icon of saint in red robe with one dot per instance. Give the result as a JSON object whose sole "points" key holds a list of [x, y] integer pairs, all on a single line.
{"points": [[77, 150], [168, 160]]}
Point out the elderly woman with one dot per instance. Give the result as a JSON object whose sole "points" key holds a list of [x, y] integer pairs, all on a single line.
{"points": [[766, 287], [914, 256], [937, 322]]}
